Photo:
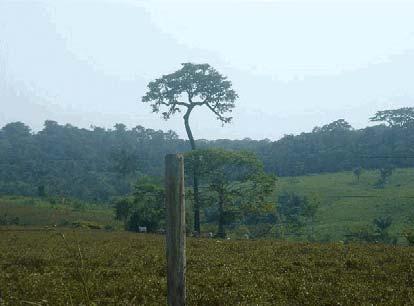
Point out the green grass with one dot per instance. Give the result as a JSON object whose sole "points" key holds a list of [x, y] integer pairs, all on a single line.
{"points": [[63, 266], [35, 212], [119, 268], [347, 204], [344, 204]]}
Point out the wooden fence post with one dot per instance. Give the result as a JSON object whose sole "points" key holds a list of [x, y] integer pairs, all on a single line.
{"points": [[175, 231]]}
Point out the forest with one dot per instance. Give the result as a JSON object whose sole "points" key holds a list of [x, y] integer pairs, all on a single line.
{"points": [[100, 164]]}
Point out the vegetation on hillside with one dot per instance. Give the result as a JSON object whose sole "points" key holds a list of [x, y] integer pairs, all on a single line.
{"points": [[98, 164], [324, 207], [347, 206]]}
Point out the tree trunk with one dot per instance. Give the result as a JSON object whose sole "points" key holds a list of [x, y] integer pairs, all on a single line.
{"points": [[195, 178], [188, 129], [221, 231], [196, 203]]}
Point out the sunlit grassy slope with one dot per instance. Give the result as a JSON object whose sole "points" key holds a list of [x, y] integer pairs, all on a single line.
{"points": [[346, 203]]}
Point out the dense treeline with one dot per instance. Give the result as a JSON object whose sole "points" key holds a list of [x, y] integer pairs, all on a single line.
{"points": [[331, 148], [97, 164], [91, 164], [340, 149]]}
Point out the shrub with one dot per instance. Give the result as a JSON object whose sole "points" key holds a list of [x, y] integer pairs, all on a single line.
{"points": [[109, 228], [409, 235], [361, 234]]}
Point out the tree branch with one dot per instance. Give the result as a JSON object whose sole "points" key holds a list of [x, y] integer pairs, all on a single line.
{"points": [[219, 116], [174, 103]]}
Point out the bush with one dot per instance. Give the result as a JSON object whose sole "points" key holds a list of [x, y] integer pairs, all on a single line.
{"points": [[8, 220], [361, 234], [409, 235], [109, 228], [370, 234], [385, 174], [144, 217]]}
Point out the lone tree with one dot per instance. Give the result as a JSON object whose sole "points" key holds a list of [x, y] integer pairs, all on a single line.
{"points": [[182, 91], [357, 173]]}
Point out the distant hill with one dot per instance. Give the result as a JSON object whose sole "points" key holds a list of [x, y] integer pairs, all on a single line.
{"points": [[97, 164]]}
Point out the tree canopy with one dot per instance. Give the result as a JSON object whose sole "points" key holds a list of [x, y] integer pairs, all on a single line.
{"points": [[193, 85], [338, 125], [235, 177], [402, 117], [98, 164]]}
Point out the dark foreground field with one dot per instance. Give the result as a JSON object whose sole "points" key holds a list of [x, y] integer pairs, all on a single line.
{"points": [[97, 267]]}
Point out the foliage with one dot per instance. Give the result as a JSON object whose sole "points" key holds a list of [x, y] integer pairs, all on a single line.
{"points": [[145, 216], [123, 209], [295, 211], [93, 165], [201, 84], [382, 225], [357, 173], [99, 164], [332, 150], [108, 268], [385, 174], [401, 118], [237, 178], [147, 208], [5, 219], [341, 205], [336, 126], [364, 233], [148, 190], [377, 234], [409, 235], [41, 192]]}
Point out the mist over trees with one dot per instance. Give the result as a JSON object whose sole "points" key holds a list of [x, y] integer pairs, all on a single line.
{"points": [[98, 164]]}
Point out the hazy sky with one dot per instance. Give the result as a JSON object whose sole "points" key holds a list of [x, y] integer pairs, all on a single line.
{"points": [[295, 64]]}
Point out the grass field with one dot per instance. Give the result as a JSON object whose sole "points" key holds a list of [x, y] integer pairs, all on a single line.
{"points": [[63, 266], [35, 212], [93, 267], [346, 204]]}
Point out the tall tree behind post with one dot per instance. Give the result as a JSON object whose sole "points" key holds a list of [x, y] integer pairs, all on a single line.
{"points": [[182, 91]]}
